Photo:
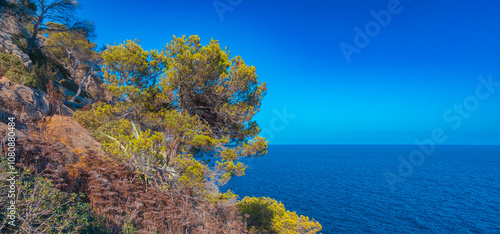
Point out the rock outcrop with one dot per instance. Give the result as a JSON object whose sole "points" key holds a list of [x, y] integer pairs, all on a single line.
{"points": [[26, 104], [73, 136], [66, 130], [23, 102], [29, 105], [10, 27]]}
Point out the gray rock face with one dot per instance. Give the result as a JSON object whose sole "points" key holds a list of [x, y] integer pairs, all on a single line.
{"points": [[25, 103], [34, 103], [9, 26]]}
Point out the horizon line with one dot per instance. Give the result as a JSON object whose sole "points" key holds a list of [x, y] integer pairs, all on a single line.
{"points": [[381, 144]]}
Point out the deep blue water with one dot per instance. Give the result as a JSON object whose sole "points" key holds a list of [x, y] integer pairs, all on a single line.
{"points": [[456, 189]]}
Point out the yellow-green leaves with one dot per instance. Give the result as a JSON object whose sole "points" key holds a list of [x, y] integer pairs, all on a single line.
{"points": [[68, 46], [129, 69], [205, 81], [222, 197], [192, 172], [268, 215], [13, 68], [257, 146], [74, 49]]}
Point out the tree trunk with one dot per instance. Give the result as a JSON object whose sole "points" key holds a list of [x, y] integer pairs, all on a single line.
{"points": [[80, 88], [36, 29], [72, 105], [31, 41]]}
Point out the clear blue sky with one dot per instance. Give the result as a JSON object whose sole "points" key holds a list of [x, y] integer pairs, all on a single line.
{"points": [[395, 89]]}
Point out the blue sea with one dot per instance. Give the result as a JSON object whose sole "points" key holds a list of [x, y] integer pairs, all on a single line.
{"points": [[380, 188]]}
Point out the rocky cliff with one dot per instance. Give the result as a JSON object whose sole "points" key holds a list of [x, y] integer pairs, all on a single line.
{"points": [[11, 27], [25, 103]]}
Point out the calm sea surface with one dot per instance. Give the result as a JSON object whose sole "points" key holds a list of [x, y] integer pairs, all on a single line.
{"points": [[456, 189]]}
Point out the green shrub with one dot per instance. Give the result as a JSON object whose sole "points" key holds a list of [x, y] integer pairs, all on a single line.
{"points": [[266, 215], [20, 40], [44, 73], [13, 68]]}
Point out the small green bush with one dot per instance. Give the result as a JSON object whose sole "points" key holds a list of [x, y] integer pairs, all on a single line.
{"points": [[13, 68], [266, 215], [20, 40], [44, 73]]}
